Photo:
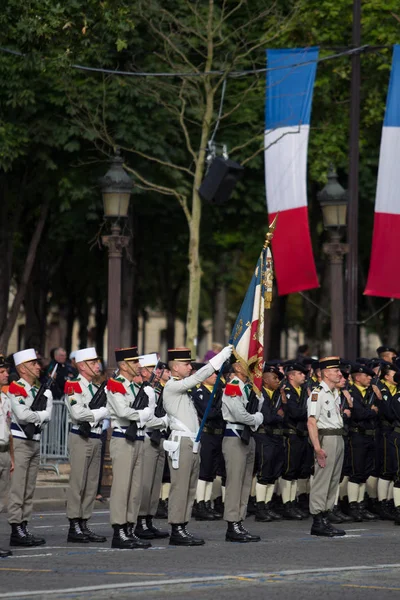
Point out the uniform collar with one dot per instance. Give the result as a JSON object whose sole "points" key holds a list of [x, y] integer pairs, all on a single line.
{"points": [[326, 388]]}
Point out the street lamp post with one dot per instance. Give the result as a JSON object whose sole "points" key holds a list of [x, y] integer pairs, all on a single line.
{"points": [[116, 188], [333, 200]]}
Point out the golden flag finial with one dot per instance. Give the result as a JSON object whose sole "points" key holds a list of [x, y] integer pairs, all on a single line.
{"points": [[270, 234]]}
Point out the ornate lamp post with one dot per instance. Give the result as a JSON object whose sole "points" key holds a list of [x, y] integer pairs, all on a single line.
{"points": [[116, 187], [333, 200]]}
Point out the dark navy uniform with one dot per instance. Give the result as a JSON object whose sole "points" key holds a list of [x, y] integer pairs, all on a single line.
{"points": [[270, 450], [362, 433], [296, 433]]}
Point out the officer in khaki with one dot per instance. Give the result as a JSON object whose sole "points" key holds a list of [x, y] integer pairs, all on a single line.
{"points": [[182, 449], [153, 464], [26, 451], [85, 452], [127, 455], [325, 427]]}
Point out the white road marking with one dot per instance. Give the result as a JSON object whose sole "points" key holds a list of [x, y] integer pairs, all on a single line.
{"points": [[192, 580], [57, 514], [31, 555]]}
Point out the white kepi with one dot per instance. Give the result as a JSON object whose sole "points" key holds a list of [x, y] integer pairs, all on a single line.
{"points": [[86, 354], [24, 356], [148, 360]]}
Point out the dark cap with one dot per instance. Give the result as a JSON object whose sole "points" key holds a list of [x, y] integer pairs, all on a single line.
{"points": [[274, 362], [197, 365], [359, 368], [126, 354], [272, 369], [361, 360], [162, 365], [383, 349], [180, 354], [315, 365], [295, 366], [307, 361], [388, 366], [345, 373], [329, 362], [3, 362]]}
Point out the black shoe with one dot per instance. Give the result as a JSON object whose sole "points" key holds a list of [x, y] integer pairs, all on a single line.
{"points": [[123, 541], [18, 536], [202, 513], [142, 531], [217, 516], [219, 506], [303, 512], [75, 533], [180, 537], [93, 537], [5, 553], [303, 503], [344, 505], [354, 512], [289, 512], [397, 515], [251, 505], [340, 515], [275, 516], [199, 541], [36, 540], [261, 514], [162, 512], [385, 514], [320, 528], [158, 533], [373, 506], [335, 531], [235, 534], [251, 537], [366, 515]]}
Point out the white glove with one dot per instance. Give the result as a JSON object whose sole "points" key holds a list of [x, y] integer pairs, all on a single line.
{"points": [[145, 415], [218, 360], [48, 394], [44, 416], [148, 390], [99, 414], [258, 418]]}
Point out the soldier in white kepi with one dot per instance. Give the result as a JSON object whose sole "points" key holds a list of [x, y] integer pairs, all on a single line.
{"points": [[22, 394], [182, 450], [84, 447], [325, 428]]}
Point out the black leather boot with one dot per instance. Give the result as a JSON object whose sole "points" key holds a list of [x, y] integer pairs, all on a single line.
{"points": [[162, 512], [130, 532], [75, 533], [36, 540], [289, 512], [235, 534], [250, 536], [339, 516], [385, 514], [261, 514], [319, 527], [18, 536], [180, 537], [202, 513], [93, 537], [5, 553], [219, 507], [396, 515], [142, 531], [303, 512], [335, 531], [275, 516], [354, 512], [122, 541], [158, 533], [365, 513], [251, 505], [217, 516], [199, 541]]}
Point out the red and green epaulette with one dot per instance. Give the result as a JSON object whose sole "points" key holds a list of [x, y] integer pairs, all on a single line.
{"points": [[115, 386], [17, 389], [72, 387], [233, 388]]}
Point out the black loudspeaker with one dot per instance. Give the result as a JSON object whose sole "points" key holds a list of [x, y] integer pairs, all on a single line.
{"points": [[218, 184]]}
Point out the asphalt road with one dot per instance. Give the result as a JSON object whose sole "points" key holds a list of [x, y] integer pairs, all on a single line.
{"points": [[287, 563]]}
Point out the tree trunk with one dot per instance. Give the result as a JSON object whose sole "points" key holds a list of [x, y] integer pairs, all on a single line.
{"points": [[220, 313], [20, 295], [83, 317], [35, 312], [70, 323]]}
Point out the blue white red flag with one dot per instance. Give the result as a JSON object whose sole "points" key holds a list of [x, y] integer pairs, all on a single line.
{"points": [[247, 335], [382, 278], [290, 86]]}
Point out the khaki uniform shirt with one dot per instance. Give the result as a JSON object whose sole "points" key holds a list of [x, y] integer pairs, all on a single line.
{"points": [[21, 409], [324, 405], [120, 406], [234, 407], [5, 419], [78, 405]]}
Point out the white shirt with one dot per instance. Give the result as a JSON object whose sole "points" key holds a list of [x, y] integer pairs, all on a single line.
{"points": [[324, 404], [5, 419]]}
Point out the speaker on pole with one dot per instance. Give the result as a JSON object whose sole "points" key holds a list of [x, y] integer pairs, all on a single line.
{"points": [[220, 180]]}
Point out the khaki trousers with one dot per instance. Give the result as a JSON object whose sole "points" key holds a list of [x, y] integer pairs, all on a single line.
{"points": [[126, 489], [239, 463], [153, 468], [5, 464], [326, 480], [23, 480], [84, 455], [183, 484]]}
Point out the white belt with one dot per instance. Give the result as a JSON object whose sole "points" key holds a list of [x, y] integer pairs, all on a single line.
{"points": [[235, 426], [173, 445]]}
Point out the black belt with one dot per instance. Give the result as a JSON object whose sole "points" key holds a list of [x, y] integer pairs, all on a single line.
{"points": [[370, 432], [212, 431], [295, 432], [324, 432], [270, 431], [5, 448]]}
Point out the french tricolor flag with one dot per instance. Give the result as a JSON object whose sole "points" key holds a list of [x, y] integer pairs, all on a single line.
{"points": [[290, 85], [383, 279]]}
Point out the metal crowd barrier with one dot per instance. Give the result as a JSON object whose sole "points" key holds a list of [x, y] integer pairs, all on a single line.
{"points": [[54, 438]]}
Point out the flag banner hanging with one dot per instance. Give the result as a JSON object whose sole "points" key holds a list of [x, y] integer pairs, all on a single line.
{"points": [[290, 85], [382, 276], [247, 335]]}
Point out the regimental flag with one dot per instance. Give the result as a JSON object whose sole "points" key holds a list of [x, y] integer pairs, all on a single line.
{"points": [[382, 277], [289, 93], [247, 335]]}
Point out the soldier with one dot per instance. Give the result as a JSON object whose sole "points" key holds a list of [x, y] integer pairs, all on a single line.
{"points": [[386, 353], [395, 438], [325, 426], [26, 451], [126, 454], [153, 462], [362, 433], [239, 457], [85, 452], [211, 445], [295, 409], [270, 450], [6, 447], [182, 450], [164, 375]]}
